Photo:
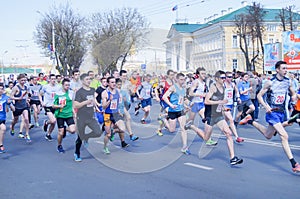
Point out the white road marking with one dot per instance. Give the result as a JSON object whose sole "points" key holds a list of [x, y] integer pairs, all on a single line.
{"points": [[198, 166]]}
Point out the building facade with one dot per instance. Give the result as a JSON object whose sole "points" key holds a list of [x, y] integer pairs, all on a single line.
{"points": [[215, 44]]}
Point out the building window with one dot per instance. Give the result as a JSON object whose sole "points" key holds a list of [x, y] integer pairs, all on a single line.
{"points": [[234, 64], [234, 41], [271, 27]]}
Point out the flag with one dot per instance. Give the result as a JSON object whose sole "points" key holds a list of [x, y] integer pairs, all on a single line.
{"points": [[175, 8]]}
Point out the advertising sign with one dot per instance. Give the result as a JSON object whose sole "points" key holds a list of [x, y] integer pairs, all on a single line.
{"points": [[291, 49], [272, 55]]}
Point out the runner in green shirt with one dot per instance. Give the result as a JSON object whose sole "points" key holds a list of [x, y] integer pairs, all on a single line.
{"points": [[64, 112]]}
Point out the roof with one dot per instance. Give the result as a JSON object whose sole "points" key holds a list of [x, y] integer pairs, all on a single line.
{"points": [[186, 28], [271, 15]]}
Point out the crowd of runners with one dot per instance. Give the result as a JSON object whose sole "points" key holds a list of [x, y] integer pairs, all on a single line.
{"points": [[102, 102]]}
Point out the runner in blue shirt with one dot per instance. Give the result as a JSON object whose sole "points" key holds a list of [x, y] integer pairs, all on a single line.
{"points": [[4, 100]]}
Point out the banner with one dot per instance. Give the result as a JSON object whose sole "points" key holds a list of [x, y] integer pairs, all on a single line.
{"points": [[272, 55], [291, 49]]}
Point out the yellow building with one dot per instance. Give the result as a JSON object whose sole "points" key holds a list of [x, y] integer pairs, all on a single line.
{"points": [[215, 44]]}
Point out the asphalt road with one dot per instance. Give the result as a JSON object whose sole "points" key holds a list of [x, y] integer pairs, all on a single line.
{"points": [[152, 167]]}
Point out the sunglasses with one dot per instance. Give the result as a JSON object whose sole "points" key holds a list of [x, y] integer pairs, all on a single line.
{"points": [[229, 76], [223, 77]]}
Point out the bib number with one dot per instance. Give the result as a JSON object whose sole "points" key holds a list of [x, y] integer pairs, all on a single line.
{"points": [[279, 99], [113, 104]]}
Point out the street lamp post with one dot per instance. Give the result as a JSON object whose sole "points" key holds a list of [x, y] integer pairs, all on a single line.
{"points": [[53, 41], [3, 63]]}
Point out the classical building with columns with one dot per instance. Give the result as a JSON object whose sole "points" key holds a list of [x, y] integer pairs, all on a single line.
{"points": [[214, 45]]}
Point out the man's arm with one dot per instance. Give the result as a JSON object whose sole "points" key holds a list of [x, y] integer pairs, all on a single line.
{"points": [[260, 95], [167, 95]]}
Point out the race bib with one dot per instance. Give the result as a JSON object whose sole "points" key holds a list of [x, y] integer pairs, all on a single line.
{"points": [[113, 104], [62, 101], [279, 98], [219, 108], [148, 92], [1, 107], [35, 93], [180, 100], [90, 97], [52, 95]]}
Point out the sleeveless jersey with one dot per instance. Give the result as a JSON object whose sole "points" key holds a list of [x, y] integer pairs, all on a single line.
{"points": [[199, 90], [216, 109], [177, 98], [228, 93], [276, 95], [21, 104], [113, 106]]}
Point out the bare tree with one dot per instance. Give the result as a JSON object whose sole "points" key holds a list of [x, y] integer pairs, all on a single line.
{"points": [[70, 43], [114, 34], [242, 30], [249, 26], [287, 18]]}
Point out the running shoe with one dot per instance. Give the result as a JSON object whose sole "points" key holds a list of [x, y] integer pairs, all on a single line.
{"points": [[239, 140], [186, 151], [106, 151], [48, 137], [188, 125], [143, 121], [85, 144], [133, 137], [293, 118], [2, 149], [31, 126], [245, 120], [204, 120], [296, 169], [211, 142], [159, 133], [45, 126], [77, 158], [20, 135], [112, 137], [124, 144], [27, 138], [60, 149], [37, 124], [235, 160], [12, 132]]}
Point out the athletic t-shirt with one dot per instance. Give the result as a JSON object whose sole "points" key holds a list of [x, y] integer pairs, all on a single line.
{"points": [[81, 95], [64, 98], [49, 93]]}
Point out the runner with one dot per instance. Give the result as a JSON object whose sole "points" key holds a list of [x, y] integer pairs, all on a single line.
{"points": [[276, 89], [19, 94], [48, 92], [215, 98], [231, 92], [84, 102], [175, 98], [4, 101], [125, 90], [246, 103], [163, 87], [144, 93], [34, 92], [63, 106], [110, 101]]}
